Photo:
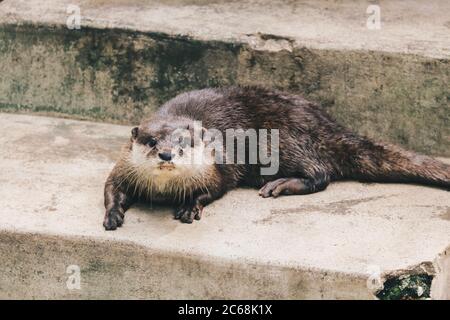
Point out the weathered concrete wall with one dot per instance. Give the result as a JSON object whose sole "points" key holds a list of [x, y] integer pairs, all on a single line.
{"points": [[119, 76], [35, 267]]}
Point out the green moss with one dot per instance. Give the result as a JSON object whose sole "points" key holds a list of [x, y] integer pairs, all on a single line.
{"points": [[406, 287]]}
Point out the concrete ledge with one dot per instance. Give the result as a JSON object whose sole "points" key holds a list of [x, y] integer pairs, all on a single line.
{"points": [[411, 27], [131, 56], [110, 269], [344, 243]]}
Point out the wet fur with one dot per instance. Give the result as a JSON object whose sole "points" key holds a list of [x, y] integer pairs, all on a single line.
{"points": [[314, 150]]}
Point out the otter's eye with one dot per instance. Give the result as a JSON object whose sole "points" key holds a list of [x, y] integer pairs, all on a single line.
{"points": [[183, 142], [151, 142]]}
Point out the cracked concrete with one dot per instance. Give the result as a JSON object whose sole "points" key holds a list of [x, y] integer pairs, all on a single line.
{"points": [[325, 245], [440, 285]]}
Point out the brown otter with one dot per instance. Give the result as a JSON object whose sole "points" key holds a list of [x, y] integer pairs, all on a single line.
{"points": [[313, 150]]}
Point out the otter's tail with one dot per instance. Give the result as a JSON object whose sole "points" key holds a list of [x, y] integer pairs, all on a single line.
{"points": [[387, 163]]}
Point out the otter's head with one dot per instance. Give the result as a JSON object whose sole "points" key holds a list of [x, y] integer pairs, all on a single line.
{"points": [[168, 151]]}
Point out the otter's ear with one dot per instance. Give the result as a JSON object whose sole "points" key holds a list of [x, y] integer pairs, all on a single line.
{"points": [[134, 132]]}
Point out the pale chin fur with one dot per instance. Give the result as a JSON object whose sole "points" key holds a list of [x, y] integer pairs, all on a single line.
{"points": [[185, 175]]}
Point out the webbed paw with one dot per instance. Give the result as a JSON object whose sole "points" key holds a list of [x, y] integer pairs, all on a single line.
{"points": [[188, 213]]}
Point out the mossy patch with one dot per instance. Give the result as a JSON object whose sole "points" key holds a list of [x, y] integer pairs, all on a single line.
{"points": [[406, 287]]}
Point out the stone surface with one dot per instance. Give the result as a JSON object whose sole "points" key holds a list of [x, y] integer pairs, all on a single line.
{"points": [[131, 56], [327, 245], [412, 26]]}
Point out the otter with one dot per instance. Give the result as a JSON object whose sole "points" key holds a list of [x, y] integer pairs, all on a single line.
{"points": [[313, 151]]}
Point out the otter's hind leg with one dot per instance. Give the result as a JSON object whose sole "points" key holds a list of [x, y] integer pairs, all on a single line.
{"points": [[292, 186]]}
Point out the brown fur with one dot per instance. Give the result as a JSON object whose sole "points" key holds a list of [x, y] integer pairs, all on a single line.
{"points": [[314, 150]]}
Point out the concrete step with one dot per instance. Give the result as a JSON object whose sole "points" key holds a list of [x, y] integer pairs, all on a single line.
{"points": [[131, 56], [344, 243]]}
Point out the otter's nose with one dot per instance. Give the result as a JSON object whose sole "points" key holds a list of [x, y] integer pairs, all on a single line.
{"points": [[166, 156]]}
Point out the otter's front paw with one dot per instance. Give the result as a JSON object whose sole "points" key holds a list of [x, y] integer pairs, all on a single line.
{"points": [[113, 219], [188, 213]]}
